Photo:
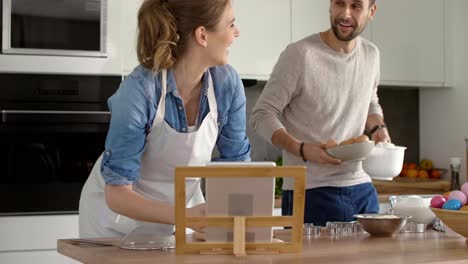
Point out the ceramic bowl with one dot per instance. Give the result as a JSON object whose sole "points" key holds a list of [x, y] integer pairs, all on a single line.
{"points": [[384, 162], [416, 206], [356, 151], [456, 220], [382, 225]]}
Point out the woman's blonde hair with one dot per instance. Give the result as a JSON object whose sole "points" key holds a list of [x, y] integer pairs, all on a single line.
{"points": [[166, 26]]}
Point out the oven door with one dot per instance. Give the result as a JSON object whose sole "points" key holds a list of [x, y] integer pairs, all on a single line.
{"points": [[46, 157]]}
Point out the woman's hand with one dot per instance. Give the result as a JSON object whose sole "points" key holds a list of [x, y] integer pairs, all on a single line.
{"points": [[196, 211], [315, 152]]}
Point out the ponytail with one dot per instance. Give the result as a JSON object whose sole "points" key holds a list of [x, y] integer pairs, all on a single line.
{"points": [[157, 36], [165, 28]]}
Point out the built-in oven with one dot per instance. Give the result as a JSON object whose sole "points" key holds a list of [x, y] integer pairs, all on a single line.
{"points": [[52, 27], [52, 130]]}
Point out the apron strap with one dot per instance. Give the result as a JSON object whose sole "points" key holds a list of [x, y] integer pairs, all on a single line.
{"points": [[212, 98], [162, 101]]}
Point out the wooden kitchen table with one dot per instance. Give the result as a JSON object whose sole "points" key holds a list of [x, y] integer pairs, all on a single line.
{"points": [[429, 247]]}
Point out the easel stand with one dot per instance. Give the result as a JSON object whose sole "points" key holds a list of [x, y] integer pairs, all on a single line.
{"points": [[239, 247]]}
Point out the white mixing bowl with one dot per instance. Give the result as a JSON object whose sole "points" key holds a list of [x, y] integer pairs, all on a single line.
{"points": [[384, 162]]}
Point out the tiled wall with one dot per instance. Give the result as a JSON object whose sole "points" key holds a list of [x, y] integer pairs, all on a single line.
{"points": [[401, 110]]}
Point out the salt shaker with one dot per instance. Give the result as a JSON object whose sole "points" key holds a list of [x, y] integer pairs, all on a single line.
{"points": [[455, 172]]}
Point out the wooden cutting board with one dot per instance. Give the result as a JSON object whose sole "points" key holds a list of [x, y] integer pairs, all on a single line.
{"points": [[401, 185]]}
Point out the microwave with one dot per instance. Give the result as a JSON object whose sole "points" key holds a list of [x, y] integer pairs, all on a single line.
{"points": [[55, 28]]}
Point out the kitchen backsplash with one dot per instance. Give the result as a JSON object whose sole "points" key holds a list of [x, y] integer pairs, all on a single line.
{"points": [[401, 110]]}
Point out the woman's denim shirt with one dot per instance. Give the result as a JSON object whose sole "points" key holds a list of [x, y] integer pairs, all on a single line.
{"points": [[134, 106]]}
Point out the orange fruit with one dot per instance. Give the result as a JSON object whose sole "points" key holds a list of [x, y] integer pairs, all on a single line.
{"points": [[405, 165], [412, 166], [403, 172], [412, 173], [423, 174], [435, 174]]}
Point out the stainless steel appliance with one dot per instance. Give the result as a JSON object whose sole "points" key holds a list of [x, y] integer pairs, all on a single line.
{"points": [[52, 129], [51, 27]]}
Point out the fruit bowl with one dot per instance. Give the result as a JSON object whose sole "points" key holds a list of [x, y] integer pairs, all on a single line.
{"points": [[349, 152], [456, 220]]}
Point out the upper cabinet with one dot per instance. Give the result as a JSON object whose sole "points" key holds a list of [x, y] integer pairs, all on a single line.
{"points": [[411, 36], [129, 25], [309, 17], [265, 31], [412, 42]]}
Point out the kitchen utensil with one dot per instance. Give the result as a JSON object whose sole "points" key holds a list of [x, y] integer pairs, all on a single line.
{"points": [[384, 162], [383, 225], [338, 229], [311, 230], [147, 237], [350, 152], [456, 220], [90, 241], [412, 227]]}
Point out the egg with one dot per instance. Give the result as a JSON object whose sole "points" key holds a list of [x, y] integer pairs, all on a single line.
{"points": [[361, 138], [452, 205], [464, 188], [458, 195], [446, 195], [438, 201], [330, 144], [348, 141]]}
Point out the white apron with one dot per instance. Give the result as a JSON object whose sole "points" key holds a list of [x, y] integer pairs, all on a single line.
{"points": [[165, 149]]}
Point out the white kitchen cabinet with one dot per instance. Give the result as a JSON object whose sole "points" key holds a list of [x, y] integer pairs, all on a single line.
{"points": [[412, 42], [33, 239], [129, 24], [309, 17], [265, 31]]}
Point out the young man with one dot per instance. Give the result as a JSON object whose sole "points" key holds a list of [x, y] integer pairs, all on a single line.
{"points": [[324, 87]]}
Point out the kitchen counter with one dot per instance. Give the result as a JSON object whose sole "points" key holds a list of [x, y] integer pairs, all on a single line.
{"points": [[429, 247], [401, 186]]}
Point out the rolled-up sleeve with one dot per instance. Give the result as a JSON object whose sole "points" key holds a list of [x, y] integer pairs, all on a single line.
{"points": [[232, 143], [374, 107], [277, 94], [125, 139]]}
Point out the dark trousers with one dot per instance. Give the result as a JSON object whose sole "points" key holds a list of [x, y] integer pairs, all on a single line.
{"points": [[325, 204]]}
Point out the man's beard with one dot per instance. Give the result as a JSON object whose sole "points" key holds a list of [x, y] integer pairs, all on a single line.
{"points": [[357, 31]]}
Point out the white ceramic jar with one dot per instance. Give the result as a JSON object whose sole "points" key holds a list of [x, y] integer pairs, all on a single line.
{"points": [[415, 206]]}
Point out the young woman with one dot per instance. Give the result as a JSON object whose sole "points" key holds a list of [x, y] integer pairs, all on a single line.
{"points": [[170, 111]]}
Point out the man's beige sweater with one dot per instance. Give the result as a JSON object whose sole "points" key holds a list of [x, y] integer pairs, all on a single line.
{"points": [[317, 94]]}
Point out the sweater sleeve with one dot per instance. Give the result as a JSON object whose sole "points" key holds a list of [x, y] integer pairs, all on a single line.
{"points": [[277, 93], [374, 107]]}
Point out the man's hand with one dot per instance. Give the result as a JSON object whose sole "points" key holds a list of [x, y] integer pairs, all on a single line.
{"points": [[315, 152], [381, 135]]}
